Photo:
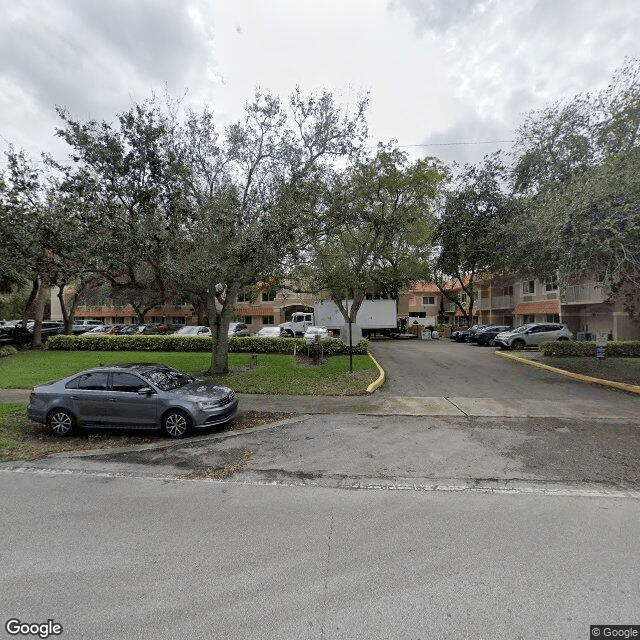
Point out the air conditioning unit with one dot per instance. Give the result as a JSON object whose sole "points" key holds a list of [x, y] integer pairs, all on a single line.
{"points": [[586, 336]]}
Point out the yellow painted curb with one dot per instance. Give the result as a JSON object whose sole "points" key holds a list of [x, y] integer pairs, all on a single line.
{"points": [[376, 384], [632, 388]]}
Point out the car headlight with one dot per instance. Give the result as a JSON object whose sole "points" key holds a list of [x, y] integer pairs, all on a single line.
{"points": [[208, 404]]}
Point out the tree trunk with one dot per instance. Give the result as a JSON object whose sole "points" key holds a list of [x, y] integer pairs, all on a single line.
{"points": [[219, 322], [35, 286], [38, 315]]}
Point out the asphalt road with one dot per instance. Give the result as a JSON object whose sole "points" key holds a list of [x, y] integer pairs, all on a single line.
{"points": [[434, 368], [140, 558]]}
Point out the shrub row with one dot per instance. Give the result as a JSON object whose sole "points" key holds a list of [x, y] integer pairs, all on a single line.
{"points": [[331, 347], [615, 348]]}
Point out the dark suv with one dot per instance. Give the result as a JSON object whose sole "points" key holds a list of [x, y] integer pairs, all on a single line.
{"points": [[487, 335]]}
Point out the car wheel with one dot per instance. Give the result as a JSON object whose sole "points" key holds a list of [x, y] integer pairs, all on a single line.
{"points": [[61, 422], [176, 424], [289, 333], [518, 345]]}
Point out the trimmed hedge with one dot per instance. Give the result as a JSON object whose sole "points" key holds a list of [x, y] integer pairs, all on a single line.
{"points": [[615, 349], [331, 347]]}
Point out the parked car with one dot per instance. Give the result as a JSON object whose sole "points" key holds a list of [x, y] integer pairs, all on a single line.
{"points": [[460, 335], [98, 330], [49, 328], [148, 329], [238, 330], [193, 330], [488, 334], [12, 332], [273, 332], [313, 332], [82, 326], [129, 329], [136, 395], [532, 334], [474, 330]]}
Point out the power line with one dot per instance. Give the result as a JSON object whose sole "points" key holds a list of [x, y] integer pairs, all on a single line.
{"points": [[453, 144]]}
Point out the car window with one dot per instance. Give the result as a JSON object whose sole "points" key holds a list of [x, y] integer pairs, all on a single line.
{"points": [[167, 379], [98, 381], [127, 382]]}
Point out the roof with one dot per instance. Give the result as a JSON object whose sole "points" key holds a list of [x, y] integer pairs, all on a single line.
{"points": [[254, 311], [548, 306]]}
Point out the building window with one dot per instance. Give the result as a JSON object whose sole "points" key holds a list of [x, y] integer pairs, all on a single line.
{"points": [[526, 319], [528, 287], [179, 320], [508, 291], [428, 301], [417, 314], [463, 298], [552, 317], [269, 296], [267, 320], [551, 284], [245, 319], [157, 319], [246, 296]]}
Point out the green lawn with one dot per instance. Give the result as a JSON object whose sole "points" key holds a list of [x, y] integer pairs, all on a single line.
{"points": [[275, 374]]}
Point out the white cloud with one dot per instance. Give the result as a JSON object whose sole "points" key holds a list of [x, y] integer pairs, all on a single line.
{"points": [[436, 70]]}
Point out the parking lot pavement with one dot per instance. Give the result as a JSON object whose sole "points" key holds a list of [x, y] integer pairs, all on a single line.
{"points": [[354, 451], [443, 368]]}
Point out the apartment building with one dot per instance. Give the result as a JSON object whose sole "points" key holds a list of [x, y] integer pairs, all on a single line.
{"points": [[513, 301]]}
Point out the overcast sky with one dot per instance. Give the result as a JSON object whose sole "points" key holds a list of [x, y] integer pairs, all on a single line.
{"points": [[437, 71]]}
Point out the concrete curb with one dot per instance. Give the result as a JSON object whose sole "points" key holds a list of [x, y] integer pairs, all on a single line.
{"points": [[376, 384], [153, 446], [631, 388]]}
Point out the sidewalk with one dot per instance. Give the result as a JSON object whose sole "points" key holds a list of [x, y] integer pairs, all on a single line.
{"points": [[386, 405]]}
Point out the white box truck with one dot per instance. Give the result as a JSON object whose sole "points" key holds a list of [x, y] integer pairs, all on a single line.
{"points": [[374, 316]]}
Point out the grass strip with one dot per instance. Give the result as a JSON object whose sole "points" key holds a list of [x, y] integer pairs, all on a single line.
{"points": [[275, 374]]}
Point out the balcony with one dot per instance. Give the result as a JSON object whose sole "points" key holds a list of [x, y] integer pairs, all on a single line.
{"points": [[584, 294], [502, 302]]}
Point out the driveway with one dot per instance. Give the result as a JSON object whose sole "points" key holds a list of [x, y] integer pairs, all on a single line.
{"points": [[443, 368]]}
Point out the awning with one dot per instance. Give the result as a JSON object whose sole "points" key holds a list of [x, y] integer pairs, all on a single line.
{"points": [[254, 311], [532, 308]]}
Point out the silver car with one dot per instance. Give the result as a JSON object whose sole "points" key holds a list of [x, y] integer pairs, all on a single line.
{"points": [[532, 334], [138, 396]]}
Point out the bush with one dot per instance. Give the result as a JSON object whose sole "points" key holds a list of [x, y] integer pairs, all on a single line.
{"points": [[7, 350], [615, 349], [251, 344]]}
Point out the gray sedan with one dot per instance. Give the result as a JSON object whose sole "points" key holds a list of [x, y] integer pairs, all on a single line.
{"points": [[140, 396]]}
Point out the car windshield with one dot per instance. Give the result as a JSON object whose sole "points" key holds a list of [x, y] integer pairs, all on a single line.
{"points": [[524, 327], [188, 331], [166, 379]]}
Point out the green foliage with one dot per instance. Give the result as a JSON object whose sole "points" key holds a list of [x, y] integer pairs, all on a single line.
{"points": [[370, 226], [7, 351], [579, 168], [331, 347], [615, 349]]}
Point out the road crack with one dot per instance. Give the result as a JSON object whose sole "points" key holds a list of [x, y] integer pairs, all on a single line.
{"points": [[456, 406]]}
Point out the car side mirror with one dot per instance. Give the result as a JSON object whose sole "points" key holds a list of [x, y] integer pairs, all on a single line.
{"points": [[146, 391]]}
